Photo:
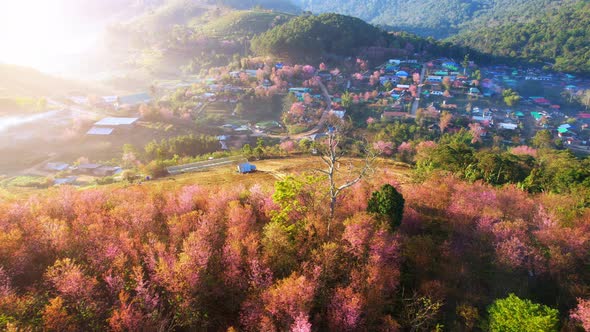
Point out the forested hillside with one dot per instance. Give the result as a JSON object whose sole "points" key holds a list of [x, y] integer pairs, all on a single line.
{"points": [[432, 17], [170, 13], [561, 36], [173, 38], [311, 36], [242, 23], [157, 257]]}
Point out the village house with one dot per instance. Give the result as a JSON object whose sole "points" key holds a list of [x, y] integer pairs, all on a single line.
{"points": [[118, 122], [106, 171], [70, 180], [56, 167], [106, 126], [87, 169], [131, 101], [100, 131]]}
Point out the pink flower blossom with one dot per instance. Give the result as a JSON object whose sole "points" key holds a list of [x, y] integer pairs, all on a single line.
{"points": [[524, 150], [405, 147], [385, 148], [582, 313], [345, 310], [297, 109], [288, 146], [308, 71], [301, 324]]}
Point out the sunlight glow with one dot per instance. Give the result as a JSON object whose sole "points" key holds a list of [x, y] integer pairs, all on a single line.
{"points": [[37, 33]]}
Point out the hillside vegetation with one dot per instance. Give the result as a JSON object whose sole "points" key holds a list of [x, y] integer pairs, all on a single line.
{"points": [[312, 36], [561, 36], [277, 5], [182, 12], [186, 257], [184, 36], [432, 17], [245, 23]]}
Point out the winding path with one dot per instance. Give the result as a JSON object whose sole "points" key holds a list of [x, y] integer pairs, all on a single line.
{"points": [[419, 92], [316, 128]]}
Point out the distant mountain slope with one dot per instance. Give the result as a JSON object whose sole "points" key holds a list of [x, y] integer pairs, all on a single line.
{"points": [[180, 12], [23, 81], [157, 21], [161, 11], [278, 5], [242, 23], [561, 36], [179, 33], [437, 18]]}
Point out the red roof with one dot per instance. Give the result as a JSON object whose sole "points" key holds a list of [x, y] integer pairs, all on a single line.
{"points": [[584, 115], [555, 107]]}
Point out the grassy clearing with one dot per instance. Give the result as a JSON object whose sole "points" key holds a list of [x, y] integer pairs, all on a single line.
{"points": [[226, 177], [272, 170]]}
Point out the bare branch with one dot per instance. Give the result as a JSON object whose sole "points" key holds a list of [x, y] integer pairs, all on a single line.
{"points": [[325, 159], [320, 171]]}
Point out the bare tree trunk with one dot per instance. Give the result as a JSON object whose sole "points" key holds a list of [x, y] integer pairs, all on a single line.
{"points": [[332, 208], [331, 158]]}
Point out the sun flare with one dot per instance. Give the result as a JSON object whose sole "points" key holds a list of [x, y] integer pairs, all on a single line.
{"points": [[37, 32]]}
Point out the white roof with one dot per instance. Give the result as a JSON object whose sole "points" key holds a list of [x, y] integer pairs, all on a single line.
{"points": [[100, 131], [115, 121], [509, 126], [482, 118]]}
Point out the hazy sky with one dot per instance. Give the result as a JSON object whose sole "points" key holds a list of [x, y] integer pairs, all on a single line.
{"points": [[38, 33]]}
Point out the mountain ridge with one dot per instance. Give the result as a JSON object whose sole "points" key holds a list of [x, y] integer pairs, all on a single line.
{"points": [[560, 36], [439, 19]]}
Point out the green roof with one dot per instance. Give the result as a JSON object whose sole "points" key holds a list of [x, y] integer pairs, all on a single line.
{"points": [[519, 114], [536, 115], [562, 130]]}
